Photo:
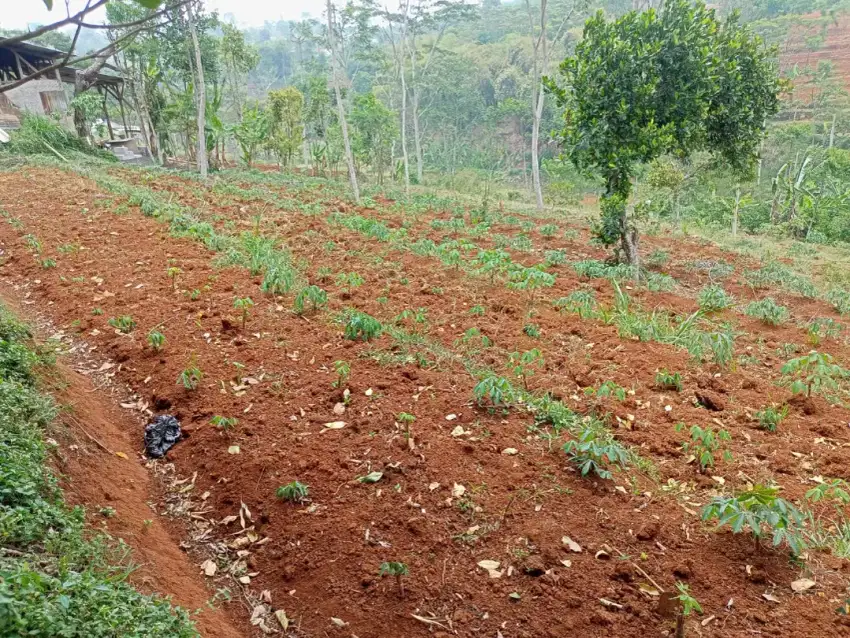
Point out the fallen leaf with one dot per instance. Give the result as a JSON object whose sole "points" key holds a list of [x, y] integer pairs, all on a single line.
{"points": [[371, 477], [451, 417], [514, 595], [335, 425], [458, 431], [770, 597], [245, 580], [510, 451], [282, 619], [433, 486], [209, 567], [571, 544], [650, 591], [339, 622], [602, 555], [458, 490], [121, 455], [567, 563], [803, 584]]}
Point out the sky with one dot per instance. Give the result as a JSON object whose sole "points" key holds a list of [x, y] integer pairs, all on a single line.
{"points": [[20, 13]]}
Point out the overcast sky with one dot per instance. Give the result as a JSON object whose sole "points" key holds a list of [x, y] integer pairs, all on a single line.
{"points": [[17, 14]]}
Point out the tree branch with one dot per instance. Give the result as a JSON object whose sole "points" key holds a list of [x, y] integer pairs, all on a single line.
{"points": [[68, 62], [52, 27]]}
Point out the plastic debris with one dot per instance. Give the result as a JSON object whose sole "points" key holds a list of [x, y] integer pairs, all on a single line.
{"points": [[161, 435]]}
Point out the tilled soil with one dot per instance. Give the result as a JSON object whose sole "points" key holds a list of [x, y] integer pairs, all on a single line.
{"points": [[319, 561]]}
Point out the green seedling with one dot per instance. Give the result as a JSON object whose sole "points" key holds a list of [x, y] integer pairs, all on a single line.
{"points": [[396, 570], [124, 324], [523, 365], [814, 373], [596, 451], [359, 325], [770, 417], [312, 295], [294, 492], [666, 381], [343, 372], [498, 391], [704, 443], [243, 304], [156, 339], [225, 423], [768, 311], [714, 298], [173, 273], [191, 377]]}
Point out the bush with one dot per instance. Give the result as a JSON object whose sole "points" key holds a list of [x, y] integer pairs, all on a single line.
{"points": [[768, 311]]}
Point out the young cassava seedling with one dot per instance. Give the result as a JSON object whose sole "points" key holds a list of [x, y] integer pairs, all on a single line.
{"points": [[191, 377], [293, 492], [771, 416], [397, 570], [244, 304], [704, 443], [124, 324], [156, 339]]}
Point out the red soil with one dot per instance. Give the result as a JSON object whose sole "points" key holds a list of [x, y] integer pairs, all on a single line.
{"points": [[321, 561]]}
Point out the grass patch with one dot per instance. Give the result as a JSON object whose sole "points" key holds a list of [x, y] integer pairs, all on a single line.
{"points": [[59, 579]]}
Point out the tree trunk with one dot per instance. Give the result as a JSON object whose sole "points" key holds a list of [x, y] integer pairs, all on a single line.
{"points": [[200, 95], [83, 81], [735, 212], [349, 158], [535, 152], [404, 131], [832, 132], [417, 135]]}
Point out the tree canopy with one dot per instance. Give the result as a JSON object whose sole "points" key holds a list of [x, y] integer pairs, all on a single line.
{"points": [[651, 83]]}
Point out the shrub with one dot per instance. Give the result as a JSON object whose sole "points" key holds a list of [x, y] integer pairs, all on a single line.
{"points": [[770, 417], [359, 325], [768, 311], [666, 381], [840, 300], [714, 298], [762, 511]]}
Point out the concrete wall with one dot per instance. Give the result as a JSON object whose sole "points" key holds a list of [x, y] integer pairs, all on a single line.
{"points": [[29, 97]]}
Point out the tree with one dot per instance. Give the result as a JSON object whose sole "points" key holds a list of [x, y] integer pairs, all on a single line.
{"points": [[375, 129], [200, 93], [239, 59], [336, 79], [251, 132], [285, 107], [651, 83], [541, 49]]}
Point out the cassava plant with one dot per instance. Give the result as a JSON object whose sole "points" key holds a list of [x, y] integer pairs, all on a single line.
{"points": [[243, 304], [704, 443], [815, 372], [293, 492], [156, 339], [397, 570], [761, 511]]}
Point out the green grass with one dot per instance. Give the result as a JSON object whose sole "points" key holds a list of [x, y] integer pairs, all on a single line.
{"points": [[59, 579]]}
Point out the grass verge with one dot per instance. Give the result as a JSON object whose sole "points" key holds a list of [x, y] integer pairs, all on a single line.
{"points": [[56, 577]]}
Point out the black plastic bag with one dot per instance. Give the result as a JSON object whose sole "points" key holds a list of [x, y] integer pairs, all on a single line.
{"points": [[161, 435]]}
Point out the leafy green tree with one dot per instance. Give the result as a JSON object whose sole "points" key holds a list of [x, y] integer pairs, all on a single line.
{"points": [[673, 81], [375, 129], [251, 132], [285, 108], [239, 58]]}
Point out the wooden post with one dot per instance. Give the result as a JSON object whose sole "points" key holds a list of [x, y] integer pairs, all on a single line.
{"points": [[18, 62], [106, 114]]}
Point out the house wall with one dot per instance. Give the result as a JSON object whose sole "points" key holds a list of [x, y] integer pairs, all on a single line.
{"points": [[33, 96]]}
